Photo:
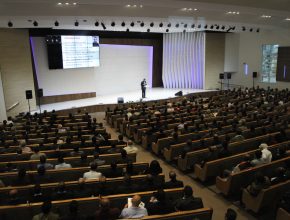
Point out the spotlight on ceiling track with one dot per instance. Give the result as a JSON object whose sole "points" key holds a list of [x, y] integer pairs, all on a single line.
{"points": [[234, 28], [167, 30], [35, 23], [151, 24], [113, 24], [177, 25], [211, 27], [169, 25], [56, 23], [223, 27], [76, 23], [205, 26], [142, 24], [104, 26], [10, 24], [97, 23], [123, 24], [258, 30], [199, 26], [148, 30], [128, 30], [161, 24], [132, 24], [193, 26], [185, 25], [244, 28], [217, 27], [184, 31], [251, 29]]}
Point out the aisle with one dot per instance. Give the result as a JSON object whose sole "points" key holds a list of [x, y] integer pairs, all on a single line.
{"points": [[210, 199]]}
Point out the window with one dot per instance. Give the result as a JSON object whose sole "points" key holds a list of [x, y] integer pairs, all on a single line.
{"points": [[269, 63]]}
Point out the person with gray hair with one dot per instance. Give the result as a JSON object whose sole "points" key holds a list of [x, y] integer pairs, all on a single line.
{"points": [[266, 154]]}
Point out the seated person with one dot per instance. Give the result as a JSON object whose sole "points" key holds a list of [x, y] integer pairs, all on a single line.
{"points": [[260, 182], [230, 214], [121, 140], [82, 190], [36, 154], [124, 157], [14, 198], [62, 164], [266, 154], [25, 149], [238, 137], [258, 159], [46, 212], [243, 165], [188, 201], [41, 176], [130, 148], [97, 159], [154, 168], [211, 155], [44, 164], [158, 204], [187, 148], [92, 174], [37, 194], [114, 172], [22, 179], [173, 182], [106, 211], [224, 152], [134, 210], [76, 151]]}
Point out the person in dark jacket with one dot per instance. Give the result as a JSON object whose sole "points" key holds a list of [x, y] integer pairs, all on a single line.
{"points": [[158, 204], [173, 182], [188, 201]]}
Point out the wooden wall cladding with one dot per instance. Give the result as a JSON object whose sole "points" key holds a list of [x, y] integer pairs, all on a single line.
{"points": [[63, 98]]}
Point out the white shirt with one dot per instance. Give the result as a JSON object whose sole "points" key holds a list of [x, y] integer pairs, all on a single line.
{"points": [[92, 175], [134, 212], [266, 156], [62, 166], [131, 149]]}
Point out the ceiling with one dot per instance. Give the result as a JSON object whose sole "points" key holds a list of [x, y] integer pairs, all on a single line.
{"points": [[22, 14]]}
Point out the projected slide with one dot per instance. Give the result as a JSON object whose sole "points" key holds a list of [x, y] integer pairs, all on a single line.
{"points": [[80, 51]]}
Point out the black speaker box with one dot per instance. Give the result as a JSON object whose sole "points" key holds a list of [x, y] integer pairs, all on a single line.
{"points": [[222, 76], [178, 93], [120, 100], [28, 94], [229, 76], [255, 74], [40, 93]]}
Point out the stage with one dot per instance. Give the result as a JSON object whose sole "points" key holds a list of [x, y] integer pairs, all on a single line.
{"points": [[107, 100]]}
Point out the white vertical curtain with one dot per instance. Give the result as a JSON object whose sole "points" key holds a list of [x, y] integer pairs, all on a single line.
{"points": [[183, 60]]}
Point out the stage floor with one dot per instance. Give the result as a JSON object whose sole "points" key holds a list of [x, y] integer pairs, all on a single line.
{"points": [[132, 96]]}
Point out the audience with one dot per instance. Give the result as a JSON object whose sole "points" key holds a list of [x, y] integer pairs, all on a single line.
{"points": [[62, 164], [97, 159], [106, 211], [173, 182], [44, 164], [266, 154], [46, 212], [188, 201], [258, 159], [159, 204], [92, 174], [154, 168], [280, 176], [130, 148], [260, 182], [134, 209], [36, 154]]}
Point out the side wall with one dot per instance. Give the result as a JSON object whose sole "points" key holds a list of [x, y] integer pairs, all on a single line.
{"points": [[214, 59], [247, 48], [16, 69]]}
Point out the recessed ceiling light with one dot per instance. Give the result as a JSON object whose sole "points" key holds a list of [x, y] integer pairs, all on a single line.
{"points": [[233, 12], [266, 16], [67, 3], [128, 6], [287, 19], [141, 6], [134, 6], [59, 3], [74, 3], [195, 9]]}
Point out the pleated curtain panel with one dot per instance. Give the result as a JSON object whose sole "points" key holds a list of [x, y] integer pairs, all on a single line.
{"points": [[184, 60]]}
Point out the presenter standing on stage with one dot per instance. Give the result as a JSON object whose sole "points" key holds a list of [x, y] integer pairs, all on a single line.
{"points": [[143, 88]]}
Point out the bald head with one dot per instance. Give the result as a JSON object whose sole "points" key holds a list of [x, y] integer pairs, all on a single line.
{"points": [[136, 200]]}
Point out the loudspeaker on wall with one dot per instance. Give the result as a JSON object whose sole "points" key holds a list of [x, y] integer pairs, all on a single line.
{"points": [[255, 74], [178, 93], [28, 94], [120, 100], [222, 76]]}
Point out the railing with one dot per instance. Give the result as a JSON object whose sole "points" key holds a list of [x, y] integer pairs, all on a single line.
{"points": [[12, 106]]}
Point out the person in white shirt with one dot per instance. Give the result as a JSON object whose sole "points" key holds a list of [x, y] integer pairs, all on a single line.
{"points": [[130, 148], [266, 154], [61, 164], [136, 210], [92, 174]]}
